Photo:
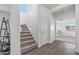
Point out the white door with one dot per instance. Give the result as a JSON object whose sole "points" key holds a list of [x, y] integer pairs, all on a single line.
{"points": [[44, 27]]}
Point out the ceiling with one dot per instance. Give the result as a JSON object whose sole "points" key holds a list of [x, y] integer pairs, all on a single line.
{"points": [[50, 6], [69, 8]]}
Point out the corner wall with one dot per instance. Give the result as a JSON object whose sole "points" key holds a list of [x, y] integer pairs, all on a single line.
{"points": [[77, 29], [52, 27], [15, 30]]}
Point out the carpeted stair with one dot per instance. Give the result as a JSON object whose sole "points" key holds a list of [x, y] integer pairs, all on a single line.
{"points": [[27, 41]]}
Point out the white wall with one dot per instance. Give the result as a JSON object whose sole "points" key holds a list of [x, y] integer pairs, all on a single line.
{"points": [[4, 7], [14, 30], [30, 18], [77, 29], [52, 27], [44, 28]]}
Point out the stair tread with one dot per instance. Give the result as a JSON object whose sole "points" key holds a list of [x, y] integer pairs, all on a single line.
{"points": [[24, 31], [26, 34], [27, 41], [26, 37], [28, 46]]}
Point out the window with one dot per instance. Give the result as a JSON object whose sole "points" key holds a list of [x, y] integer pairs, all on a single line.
{"points": [[23, 8]]}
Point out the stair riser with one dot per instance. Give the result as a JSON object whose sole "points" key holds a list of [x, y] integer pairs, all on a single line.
{"points": [[26, 39], [24, 29], [25, 35], [27, 44], [24, 51], [24, 32]]}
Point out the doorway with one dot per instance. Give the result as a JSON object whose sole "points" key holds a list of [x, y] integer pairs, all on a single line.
{"points": [[65, 24]]}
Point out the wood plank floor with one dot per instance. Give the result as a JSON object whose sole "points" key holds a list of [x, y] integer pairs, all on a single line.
{"points": [[56, 48], [66, 38]]}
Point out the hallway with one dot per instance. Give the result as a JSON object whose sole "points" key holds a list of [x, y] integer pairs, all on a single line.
{"points": [[55, 48], [40, 29], [66, 39]]}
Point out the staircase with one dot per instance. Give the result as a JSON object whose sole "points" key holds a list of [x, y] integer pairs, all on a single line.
{"points": [[27, 42]]}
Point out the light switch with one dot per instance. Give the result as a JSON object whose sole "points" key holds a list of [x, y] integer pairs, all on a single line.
{"points": [[30, 28]]}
